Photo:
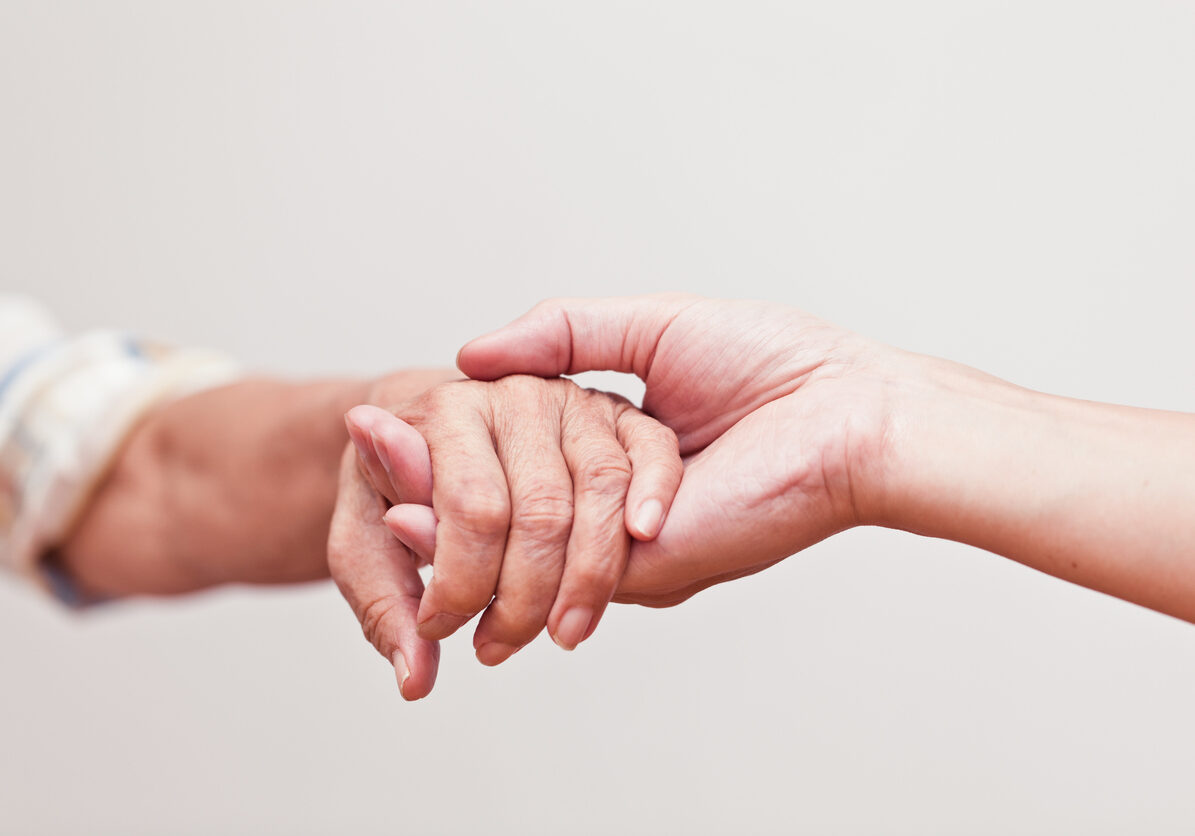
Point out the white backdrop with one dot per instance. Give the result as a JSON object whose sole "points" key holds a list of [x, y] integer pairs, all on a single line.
{"points": [[357, 186]]}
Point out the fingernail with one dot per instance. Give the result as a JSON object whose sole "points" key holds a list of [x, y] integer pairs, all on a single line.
{"points": [[649, 517], [495, 653], [572, 627], [391, 520], [401, 672], [380, 449], [441, 625], [366, 453]]}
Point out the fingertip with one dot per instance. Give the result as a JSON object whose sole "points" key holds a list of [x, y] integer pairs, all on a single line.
{"points": [[415, 527], [492, 654], [463, 357], [656, 473], [361, 417], [432, 621], [403, 454], [536, 343], [480, 358], [645, 521], [413, 684], [365, 450], [357, 429], [416, 663], [352, 419], [574, 626], [402, 673]]}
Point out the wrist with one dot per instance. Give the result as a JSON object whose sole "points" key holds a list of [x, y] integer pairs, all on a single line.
{"points": [[232, 484], [946, 434]]}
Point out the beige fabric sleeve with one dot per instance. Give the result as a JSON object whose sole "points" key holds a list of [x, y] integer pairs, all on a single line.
{"points": [[66, 405]]}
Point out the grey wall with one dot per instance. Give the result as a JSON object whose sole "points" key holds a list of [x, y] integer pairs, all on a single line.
{"points": [[355, 186]]}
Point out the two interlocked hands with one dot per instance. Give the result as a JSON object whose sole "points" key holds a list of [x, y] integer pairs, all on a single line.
{"points": [[539, 502], [763, 430]]}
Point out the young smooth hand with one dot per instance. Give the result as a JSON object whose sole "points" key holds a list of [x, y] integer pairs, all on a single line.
{"points": [[793, 429], [780, 417]]}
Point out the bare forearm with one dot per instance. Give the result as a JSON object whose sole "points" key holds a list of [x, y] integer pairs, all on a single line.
{"points": [[1097, 494], [234, 484]]}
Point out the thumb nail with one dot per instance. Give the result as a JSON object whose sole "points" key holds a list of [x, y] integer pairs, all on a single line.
{"points": [[382, 451], [401, 672]]}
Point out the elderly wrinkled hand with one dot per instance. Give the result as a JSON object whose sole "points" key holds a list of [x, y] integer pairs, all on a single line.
{"points": [[535, 485]]}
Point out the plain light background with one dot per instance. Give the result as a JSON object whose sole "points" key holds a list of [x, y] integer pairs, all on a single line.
{"points": [[351, 187]]}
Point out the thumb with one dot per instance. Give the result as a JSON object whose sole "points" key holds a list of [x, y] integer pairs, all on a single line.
{"points": [[568, 336], [377, 576], [392, 453], [737, 511]]}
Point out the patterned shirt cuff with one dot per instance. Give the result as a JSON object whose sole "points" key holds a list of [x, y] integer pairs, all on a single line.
{"points": [[65, 411]]}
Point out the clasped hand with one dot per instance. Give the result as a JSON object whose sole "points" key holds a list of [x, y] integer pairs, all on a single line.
{"points": [[536, 486], [522, 491]]}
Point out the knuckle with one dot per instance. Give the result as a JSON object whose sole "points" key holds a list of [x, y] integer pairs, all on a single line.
{"points": [[605, 473], [590, 408], [664, 436], [645, 430], [438, 400], [478, 510], [602, 561], [522, 390], [519, 383], [548, 308], [546, 512], [597, 578]]}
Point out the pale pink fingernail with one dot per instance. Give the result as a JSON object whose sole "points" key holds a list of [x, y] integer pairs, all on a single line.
{"points": [[495, 653], [394, 522], [363, 450], [379, 448], [572, 628], [401, 672], [649, 517]]}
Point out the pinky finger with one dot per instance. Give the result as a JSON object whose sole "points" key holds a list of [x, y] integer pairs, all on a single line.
{"points": [[656, 471]]}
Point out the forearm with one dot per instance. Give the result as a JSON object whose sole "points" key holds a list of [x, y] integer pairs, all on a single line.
{"points": [[1097, 494], [234, 484]]}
